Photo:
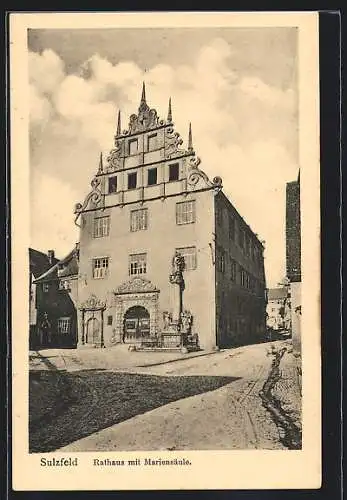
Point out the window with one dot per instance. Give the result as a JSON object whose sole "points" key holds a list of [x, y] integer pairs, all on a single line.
{"points": [[64, 285], [100, 267], [231, 228], [232, 270], [133, 146], [189, 255], [243, 277], [64, 325], [152, 176], [45, 287], [174, 172], [101, 226], [152, 142], [241, 237], [132, 180], [137, 264], [112, 184], [109, 320], [185, 212], [247, 244], [219, 218], [138, 219], [221, 261]]}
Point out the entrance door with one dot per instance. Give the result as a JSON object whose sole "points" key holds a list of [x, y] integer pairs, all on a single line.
{"points": [[93, 331], [136, 324]]}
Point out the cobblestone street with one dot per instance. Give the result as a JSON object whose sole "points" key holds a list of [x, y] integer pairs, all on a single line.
{"points": [[243, 398]]}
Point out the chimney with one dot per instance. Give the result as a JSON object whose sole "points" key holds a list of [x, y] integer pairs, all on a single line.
{"points": [[50, 255]]}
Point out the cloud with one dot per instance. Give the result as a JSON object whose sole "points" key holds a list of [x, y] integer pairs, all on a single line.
{"points": [[243, 130], [46, 71], [51, 221]]}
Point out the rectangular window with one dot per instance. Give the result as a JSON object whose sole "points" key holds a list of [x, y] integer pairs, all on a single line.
{"points": [[64, 325], [241, 237], [112, 184], [132, 180], [101, 226], [243, 277], [137, 264], [45, 287], [219, 218], [109, 320], [152, 176], [221, 261], [138, 219], [231, 228], [185, 212], [133, 146], [232, 270], [100, 267], [152, 142], [174, 172], [64, 285], [247, 244], [189, 255]]}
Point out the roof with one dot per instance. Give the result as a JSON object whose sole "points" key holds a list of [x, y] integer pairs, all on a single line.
{"points": [[39, 262], [68, 266], [277, 293]]}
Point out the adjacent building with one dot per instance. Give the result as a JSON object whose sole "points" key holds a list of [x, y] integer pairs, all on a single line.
{"points": [[56, 303], [149, 201], [293, 257], [39, 263], [278, 311]]}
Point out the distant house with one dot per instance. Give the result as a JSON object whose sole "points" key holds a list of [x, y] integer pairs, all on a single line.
{"points": [[278, 309], [39, 263], [56, 297]]}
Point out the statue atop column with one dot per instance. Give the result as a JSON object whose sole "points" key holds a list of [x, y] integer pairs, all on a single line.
{"points": [[178, 266]]}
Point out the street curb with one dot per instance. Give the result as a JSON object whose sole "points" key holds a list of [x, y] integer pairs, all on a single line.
{"points": [[179, 359]]}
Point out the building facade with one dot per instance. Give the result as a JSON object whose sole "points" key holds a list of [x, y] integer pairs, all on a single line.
{"points": [[293, 257], [39, 263], [56, 303], [148, 202], [278, 310]]}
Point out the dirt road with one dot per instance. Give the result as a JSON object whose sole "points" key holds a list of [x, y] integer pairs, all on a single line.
{"points": [[232, 416]]}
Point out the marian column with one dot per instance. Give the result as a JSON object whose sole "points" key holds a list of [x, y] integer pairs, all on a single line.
{"points": [[176, 279]]}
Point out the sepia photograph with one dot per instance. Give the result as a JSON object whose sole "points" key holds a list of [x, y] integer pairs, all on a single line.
{"points": [[165, 242]]}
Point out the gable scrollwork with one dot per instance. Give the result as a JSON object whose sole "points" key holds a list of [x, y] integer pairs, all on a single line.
{"points": [[94, 197], [172, 142], [195, 174], [114, 159]]}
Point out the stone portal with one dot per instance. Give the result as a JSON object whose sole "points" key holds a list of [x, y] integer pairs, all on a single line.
{"points": [[136, 324], [136, 304], [92, 320]]}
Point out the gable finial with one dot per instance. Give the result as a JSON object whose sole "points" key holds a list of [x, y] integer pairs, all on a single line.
{"points": [[101, 165], [119, 124], [143, 96], [190, 138], [169, 113]]}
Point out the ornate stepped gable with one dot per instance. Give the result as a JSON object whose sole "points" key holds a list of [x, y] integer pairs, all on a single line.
{"points": [[146, 120]]}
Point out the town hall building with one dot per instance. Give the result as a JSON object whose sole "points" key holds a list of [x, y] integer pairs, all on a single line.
{"points": [[161, 245]]}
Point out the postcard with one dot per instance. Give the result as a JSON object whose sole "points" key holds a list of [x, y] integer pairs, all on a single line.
{"points": [[165, 218]]}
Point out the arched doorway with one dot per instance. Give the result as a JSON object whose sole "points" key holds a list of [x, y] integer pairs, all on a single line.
{"points": [[136, 324], [93, 331]]}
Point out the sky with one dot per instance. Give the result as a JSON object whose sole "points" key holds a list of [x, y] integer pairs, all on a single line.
{"points": [[237, 86]]}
